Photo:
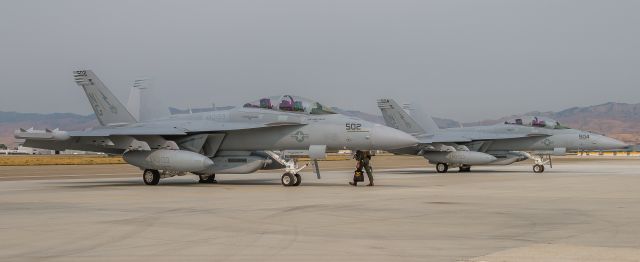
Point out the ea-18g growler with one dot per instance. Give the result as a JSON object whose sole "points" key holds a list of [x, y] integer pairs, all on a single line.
{"points": [[235, 141], [536, 138]]}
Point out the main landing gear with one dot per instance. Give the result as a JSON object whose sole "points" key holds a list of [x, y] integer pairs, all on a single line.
{"points": [[151, 177], [442, 167], [208, 179], [289, 179], [464, 169]]}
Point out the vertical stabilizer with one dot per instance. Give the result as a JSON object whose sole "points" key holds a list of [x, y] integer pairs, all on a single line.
{"points": [[394, 116], [108, 110], [135, 96], [422, 118], [144, 103]]}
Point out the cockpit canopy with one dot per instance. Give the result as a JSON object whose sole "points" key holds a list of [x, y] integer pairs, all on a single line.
{"points": [[535, 121], [288, 103]]}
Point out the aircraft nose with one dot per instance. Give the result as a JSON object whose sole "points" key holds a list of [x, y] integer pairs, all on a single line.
{"points": [[384, 137], [610, 143]]}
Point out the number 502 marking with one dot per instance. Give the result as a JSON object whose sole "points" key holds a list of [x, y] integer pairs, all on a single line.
{"points": [[353, 126]]}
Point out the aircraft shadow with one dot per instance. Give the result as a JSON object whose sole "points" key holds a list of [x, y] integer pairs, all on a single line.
{"points": [[455, 172], [253, 182]]}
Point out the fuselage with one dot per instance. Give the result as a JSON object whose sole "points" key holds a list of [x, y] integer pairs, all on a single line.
{"points": [[536, 138], [295, 131]]}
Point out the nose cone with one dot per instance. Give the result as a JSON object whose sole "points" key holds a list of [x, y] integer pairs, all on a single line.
{"points": [[384, 137], [607, 143]]}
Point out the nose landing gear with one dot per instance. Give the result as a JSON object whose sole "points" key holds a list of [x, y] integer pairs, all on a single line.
{"points": [[289, 179], [538, 168], [539, 162]]}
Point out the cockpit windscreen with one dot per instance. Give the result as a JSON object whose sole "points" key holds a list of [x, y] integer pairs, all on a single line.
{"points": [[534, 121], [288, 103]]}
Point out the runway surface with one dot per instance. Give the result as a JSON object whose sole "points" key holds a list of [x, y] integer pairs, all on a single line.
{"points": [[581, 210]]}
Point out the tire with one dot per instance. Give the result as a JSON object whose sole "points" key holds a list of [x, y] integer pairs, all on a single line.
{"points": [[151, 177], [209, 180], [298, 180], [538, 168], [287, 179], [442, 168]]}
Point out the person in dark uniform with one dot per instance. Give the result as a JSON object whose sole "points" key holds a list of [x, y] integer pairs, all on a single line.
{"points": [[363, 162]]}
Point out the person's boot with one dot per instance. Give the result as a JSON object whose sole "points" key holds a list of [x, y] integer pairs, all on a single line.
{"points": [[370, 184], [353, 183]]}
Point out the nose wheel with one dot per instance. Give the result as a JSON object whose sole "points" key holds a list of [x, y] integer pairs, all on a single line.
{"points": [[538, 168], [289, 179]]}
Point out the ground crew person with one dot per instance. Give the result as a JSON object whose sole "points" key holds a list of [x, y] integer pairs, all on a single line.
{"points": [[362, 161]]}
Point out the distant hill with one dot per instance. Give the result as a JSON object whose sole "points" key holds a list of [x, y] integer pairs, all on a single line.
{"points": [[618, 120]]}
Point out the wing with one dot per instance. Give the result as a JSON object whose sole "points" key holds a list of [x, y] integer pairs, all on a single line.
{"points": [[194, 136]]}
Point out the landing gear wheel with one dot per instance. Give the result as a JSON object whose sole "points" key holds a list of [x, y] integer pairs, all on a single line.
{"points": [[298, 180], [464, 169], [288, 179], [538, 168], [208, 179], [442, 168], [151, 177]]}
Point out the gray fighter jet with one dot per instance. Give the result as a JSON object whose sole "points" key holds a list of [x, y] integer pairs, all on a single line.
{"points": [[524, 138], [236, 141]]}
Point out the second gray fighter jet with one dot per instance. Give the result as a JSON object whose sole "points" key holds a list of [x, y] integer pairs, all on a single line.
{"points": [[516, 140]]}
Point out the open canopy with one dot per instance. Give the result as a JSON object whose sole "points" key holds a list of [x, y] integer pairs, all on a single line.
{"points": [[535, 121], [288, 103]]}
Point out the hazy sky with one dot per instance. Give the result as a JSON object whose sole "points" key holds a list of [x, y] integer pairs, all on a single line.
{"points": [[466, 60]]}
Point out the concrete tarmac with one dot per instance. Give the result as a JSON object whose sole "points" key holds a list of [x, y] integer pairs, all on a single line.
{"points": [[581, 210]]}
